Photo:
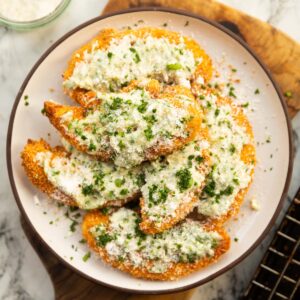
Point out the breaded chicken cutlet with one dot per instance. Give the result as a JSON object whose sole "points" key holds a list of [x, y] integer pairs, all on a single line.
{"points": [[173, 185], [173, 254], [130, 127], [115, 58], [77, 179], [232, 155]]}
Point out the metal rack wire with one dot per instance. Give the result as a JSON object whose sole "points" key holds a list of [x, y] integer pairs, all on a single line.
{"points": [[278, 275]]}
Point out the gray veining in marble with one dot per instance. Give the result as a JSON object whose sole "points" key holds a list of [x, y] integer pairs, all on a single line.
{"points": [[22, 275]]}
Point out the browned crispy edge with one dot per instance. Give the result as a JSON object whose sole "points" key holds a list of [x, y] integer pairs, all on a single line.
{"points": [[176, 271], [38, 177]]}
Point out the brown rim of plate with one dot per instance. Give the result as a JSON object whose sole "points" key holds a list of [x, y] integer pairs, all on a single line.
{"points": [[178, 12]]}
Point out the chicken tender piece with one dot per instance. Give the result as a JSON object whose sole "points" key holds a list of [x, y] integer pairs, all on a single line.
{"points": [[171, 255], [115, 58], [173, 185], [130, 127], [232, 155], [77, 179]]}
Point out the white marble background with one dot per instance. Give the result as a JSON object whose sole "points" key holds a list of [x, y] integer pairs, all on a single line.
{"points": [[22, 275]]}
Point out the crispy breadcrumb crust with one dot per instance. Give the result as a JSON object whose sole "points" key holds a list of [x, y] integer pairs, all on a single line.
{"points": [[82, 96], [55, 111], [248, 156], [39, 179], [176, 271], [151, 227]]}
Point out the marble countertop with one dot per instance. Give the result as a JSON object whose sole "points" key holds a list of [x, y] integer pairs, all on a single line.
{"points": [[22, 275]]}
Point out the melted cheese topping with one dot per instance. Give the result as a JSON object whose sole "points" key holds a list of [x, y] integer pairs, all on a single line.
{"points": [[131, 58], [89, 182], [229, 173], [173, 180], [123, 241], [129, 124]]}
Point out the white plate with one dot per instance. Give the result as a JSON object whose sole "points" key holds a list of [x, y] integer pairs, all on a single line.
{"points": [[268, 119]]}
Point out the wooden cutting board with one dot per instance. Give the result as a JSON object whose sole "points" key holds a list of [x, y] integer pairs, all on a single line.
{"points": [[280, 54]]}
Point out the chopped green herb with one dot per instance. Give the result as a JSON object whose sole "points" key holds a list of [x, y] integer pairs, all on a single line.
{"points": [[86, 256], [209, 189], [92, 146], [73, 226], [109, 55], [136, 58], [185, 180], [235, 239], [103, 239], [288, 94], [124, 192], [148, 133], [119, 182], [245, 104], [116, 103], [87, 190], [82, 241], [232, 148], [256, 92], [142, 107], [174, 67], [233, 70]]}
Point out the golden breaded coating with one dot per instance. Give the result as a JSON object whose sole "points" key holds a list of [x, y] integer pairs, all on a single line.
{"points": [[103, 41], [173, 271], [44, 166], [36, 173], [96, 130]]}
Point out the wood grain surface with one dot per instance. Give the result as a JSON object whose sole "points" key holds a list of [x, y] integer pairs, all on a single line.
{"points": [[280, 54]]}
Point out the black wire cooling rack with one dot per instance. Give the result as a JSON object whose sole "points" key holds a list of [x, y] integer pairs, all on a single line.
{"points": [[278, 275]]}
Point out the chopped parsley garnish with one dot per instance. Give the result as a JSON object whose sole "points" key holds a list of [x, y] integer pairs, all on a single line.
{"points": [[217, 112], [109, 55], [228, 191], [73, 226], [142, 107], [233, 70], [124, 192], [92, 146], [209, 189], [136, 57], [104, 210], [87, 190], [256, 92], [119, 182], [116, 103], [184, 179], [121, 145], [161, 194], [174, 67], [82, 241], [86, 256], [201, 97], [245, 104], [288, 94], [199, 159], [232, 148], [148, 133], [103, 239]]}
